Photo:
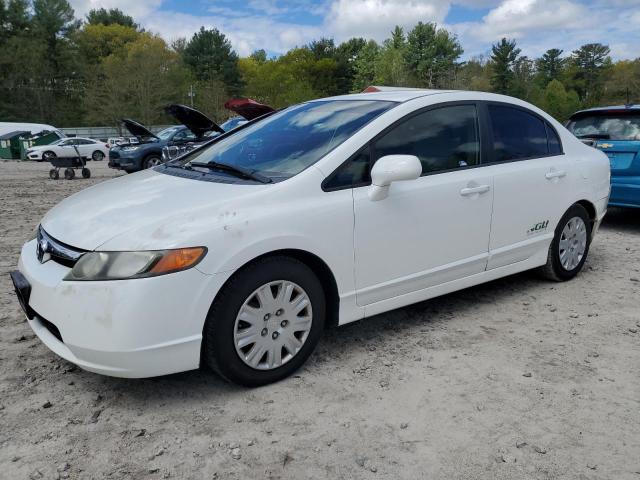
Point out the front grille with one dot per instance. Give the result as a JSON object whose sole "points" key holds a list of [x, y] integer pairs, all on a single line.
{"points": [[57, 251]]}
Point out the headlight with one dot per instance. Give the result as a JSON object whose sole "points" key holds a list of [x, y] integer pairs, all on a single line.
{"points": [[126, 265], [130, 149]]}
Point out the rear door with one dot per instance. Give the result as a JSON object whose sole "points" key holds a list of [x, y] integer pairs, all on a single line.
{"points": [[531, 176]]}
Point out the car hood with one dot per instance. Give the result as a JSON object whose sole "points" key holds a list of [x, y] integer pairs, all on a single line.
{"points": [[145, 210], [247, 108], [137, 129], [193, 119]]}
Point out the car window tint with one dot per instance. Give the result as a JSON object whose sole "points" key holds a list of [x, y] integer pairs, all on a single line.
{"points": [[353, 172], [555, 147], [517, 134], [443, 139]]}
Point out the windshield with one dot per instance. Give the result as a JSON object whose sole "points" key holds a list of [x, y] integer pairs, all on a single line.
{"points": [[289, 141], [612, 127], [167, 132]]}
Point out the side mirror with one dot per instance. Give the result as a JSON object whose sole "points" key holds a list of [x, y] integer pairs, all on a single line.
{"points": [[392, 168]]}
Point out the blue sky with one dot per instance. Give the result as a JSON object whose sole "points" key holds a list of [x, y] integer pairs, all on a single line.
{"points": [[277, 26]]}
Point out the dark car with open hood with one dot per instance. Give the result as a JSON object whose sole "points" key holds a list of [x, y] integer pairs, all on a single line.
{"points": [[196, 129]]}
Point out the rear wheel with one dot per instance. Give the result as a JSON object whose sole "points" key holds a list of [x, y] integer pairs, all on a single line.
{"points": [[97, 156], [570, 246], [53, 174], [86, 173], [152, 161], [265, 322], [69, 174]]}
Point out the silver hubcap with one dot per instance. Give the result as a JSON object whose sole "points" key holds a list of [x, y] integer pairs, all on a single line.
{"points": [[152, 162], [272, 325], [97, 156], [573, 243]]}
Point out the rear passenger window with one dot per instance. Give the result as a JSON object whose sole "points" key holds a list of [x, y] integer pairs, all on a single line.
{"points": [[445, 138], [555, 147], [517, 134]]}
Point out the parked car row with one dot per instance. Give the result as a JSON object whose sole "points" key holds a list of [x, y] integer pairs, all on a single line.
{"points": [[195, 129], [326, 212]]}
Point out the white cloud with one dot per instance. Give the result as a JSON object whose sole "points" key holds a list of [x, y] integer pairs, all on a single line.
{"points": [[135, 8], [246, 34], [516, 18], [376, 18]]}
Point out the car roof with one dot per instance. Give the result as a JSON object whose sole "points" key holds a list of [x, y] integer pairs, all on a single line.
{"points": [[609, 109], [389, 94]]}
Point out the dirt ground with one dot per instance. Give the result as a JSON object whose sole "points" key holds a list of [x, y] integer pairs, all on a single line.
{"points": [[516, 379]]}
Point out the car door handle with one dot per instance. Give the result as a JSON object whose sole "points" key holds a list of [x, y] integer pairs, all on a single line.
{"points": [[465, 192], [555, 174]]}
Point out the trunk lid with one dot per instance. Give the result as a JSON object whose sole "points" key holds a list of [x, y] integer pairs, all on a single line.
{"points": [[247, 108]]}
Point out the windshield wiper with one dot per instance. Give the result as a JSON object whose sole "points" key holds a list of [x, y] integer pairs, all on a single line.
{"points": [[238, 171]]}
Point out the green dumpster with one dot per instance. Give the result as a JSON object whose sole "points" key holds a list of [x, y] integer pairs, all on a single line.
{"points": [[46, 137], [11, 144]]}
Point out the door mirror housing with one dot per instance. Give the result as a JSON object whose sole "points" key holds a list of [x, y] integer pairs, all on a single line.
{"points": [[392, 168]]}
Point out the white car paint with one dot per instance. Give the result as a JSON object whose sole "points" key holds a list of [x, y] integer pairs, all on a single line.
{"points": [[65, 148], [432, 235]]}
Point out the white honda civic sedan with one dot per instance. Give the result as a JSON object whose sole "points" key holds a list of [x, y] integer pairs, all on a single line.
{"points": [[237, 255]]}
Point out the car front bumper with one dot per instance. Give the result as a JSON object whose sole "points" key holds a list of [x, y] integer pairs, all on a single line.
{"points": [[125, 328]]}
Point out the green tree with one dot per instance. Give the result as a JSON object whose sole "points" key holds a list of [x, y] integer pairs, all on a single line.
{"points": [[14, 18], [391, 67], [558, 102], [97, 41], [623, 83], [503, 57], [432, 54], [136, 83], [102, 16], [259, 56], [209, 56], [589, 63], [550, 66], [364, 66], [346, 55]]}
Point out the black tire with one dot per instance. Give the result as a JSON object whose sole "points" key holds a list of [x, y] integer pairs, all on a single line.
{"points": [[48, 155], [554, 270], [219, 351], [97, 156], [86, 173], [69, 174], [152, 161], [53, 174]]}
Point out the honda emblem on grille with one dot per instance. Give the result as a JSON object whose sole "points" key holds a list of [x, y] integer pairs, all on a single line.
{"points": [[42, 250]]}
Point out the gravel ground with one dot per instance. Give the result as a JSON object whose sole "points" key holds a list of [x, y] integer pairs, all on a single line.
{"points": [[516, 379]]}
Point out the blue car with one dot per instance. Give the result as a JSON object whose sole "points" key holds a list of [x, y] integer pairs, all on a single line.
{"points": [[615, 131]]}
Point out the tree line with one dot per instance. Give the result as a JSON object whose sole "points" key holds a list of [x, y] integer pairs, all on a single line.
{"points": [[63, 71]]}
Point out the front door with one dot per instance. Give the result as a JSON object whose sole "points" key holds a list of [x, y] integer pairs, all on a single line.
{"points": [[431, 230]]}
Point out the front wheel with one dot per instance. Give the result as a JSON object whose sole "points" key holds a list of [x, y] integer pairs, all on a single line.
{"points": [[48, 156], [265, 322], [570, 246], [152, 161]]}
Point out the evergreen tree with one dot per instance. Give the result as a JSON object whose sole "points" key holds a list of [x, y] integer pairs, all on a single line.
{"points": [[503, 57], [210, 56]]}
